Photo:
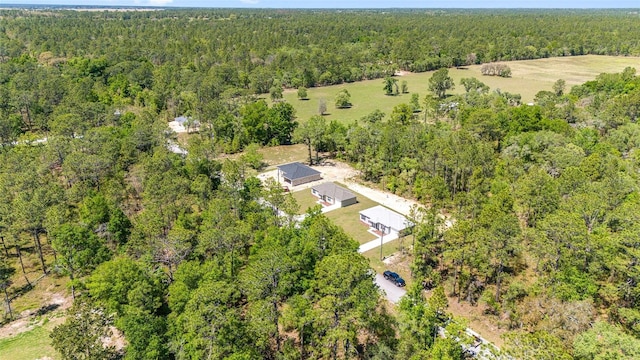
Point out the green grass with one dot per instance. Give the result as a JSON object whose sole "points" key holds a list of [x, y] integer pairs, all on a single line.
{"points": [[29, 345], [283, 154], [348, 218], [388, 249], [305, 200], [529, 77]]}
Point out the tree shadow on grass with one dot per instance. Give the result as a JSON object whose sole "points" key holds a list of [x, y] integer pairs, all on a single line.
{"points": [[46, 309]]}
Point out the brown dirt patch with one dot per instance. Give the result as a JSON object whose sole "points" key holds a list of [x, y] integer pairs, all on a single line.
{"points": [[477, 321]]}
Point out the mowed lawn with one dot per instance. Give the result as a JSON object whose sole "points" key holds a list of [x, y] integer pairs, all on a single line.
{"points": [[528, 77], [348, 218], [305, 200], [29, 345]]}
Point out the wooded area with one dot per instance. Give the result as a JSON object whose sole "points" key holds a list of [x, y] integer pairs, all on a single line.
{"points": [[183, 257]]}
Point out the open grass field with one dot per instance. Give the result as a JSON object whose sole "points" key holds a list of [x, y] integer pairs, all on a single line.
{"points": [[29, 345], [528, 77]]}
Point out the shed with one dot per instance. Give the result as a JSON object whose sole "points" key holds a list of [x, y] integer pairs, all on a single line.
{"points": [[183, 124], [384, 220], [296, 173], [333, 194]]}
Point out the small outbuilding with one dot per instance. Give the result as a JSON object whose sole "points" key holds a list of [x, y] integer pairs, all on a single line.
{"points": [[384, 220], [297, 173], [331, 194]]}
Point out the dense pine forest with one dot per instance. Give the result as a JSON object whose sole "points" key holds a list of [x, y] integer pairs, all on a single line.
{"points": [[190, 256]]}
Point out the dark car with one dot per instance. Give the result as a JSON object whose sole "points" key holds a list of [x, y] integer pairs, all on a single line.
{"points": [[394, 278]]}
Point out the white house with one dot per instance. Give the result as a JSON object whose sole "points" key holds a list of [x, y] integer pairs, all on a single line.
{"points": [[332, 194], [384, 220]]}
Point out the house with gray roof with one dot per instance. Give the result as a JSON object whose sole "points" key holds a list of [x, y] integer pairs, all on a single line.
{"points": [[384, 220], [296, 173], [331, 194]]}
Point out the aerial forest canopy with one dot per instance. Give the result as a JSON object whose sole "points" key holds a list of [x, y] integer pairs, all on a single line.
{"points": [[530, 210]]}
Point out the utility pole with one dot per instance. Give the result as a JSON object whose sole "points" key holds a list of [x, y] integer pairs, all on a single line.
{"points": [[381, 242]]}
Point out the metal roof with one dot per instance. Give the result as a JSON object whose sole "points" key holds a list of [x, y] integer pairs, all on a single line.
{"points": [[337, 192], [296, 170], [382, 215]]}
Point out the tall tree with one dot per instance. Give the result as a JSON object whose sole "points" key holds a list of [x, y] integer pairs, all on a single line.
{"points": [[79, 251], [343, 99], [389, 84], [81, 336], [6, 271], [266, 281], [440, 82]]}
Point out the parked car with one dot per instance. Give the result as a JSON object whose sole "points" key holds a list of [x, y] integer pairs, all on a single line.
{"points": [[394, 278]]}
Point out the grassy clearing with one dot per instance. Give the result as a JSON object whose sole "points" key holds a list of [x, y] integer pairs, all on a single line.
{"points": [[529, 77], [283, 154], [348, 218], [305, 200], [29, 345]]}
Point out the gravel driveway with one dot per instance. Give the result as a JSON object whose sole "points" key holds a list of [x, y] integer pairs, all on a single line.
{"points": [[392, 292]]}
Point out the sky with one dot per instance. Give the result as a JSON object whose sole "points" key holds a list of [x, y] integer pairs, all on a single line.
{"points": [[347, 3]]}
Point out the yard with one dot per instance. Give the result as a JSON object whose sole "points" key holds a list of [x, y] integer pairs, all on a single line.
{"points": [[348, 218], [394, 259], [305, 200]]}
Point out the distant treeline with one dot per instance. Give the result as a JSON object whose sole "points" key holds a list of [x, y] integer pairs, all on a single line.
{"points": [[316, 47]]}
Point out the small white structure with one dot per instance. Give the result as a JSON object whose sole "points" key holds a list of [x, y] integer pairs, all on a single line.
{"points": [[183, 124], [332, 194], [384, 220]]}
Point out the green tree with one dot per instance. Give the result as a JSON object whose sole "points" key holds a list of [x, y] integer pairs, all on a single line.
{"points": [[345, 298], [302, 93], [418, 323], [79, 250], [404, 88], [266, 281], [6, 271], [440, 82], [559, 87], [211, 325], [276, 92], [606, 341], [415, 102], [134, 294], [280, 124], [343, 99], [474, 85], [402, 114], [389, 85], [81, 336], [312, 133]]}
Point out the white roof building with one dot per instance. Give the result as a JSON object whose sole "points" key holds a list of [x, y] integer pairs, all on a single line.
{"points": [[384, 220]]}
